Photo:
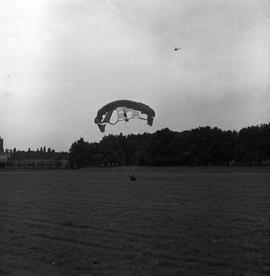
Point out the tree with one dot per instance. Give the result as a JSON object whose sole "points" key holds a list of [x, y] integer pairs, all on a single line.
{"points": [[79, 154]]}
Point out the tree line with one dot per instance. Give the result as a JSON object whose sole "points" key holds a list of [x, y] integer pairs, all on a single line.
{"points": [[199, 146], [41, 153]]}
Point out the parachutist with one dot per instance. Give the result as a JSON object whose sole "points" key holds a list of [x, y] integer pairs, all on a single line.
{"points": [[132, 177]]}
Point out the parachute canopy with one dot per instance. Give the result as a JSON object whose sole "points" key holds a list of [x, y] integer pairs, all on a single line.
{"points": [[125, 110]]}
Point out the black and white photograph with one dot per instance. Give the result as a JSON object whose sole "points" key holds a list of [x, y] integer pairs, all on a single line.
{"points": [[134, 137]]}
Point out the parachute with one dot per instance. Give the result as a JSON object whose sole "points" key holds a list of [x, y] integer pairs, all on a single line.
{"points": [[125, 111]]}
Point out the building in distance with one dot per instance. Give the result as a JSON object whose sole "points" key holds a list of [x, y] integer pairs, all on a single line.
{"points": [[40, 159]]}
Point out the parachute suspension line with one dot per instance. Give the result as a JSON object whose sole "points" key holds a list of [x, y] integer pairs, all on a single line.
{"points": [[131, 162], [126, 132], [126, 120], [113, 124], [125, 149]]}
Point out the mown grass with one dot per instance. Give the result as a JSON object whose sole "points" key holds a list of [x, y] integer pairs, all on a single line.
{"points": [[171, 221]]}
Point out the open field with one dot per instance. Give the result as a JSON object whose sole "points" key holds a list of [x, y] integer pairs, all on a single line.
{"points": [[171, 221]]}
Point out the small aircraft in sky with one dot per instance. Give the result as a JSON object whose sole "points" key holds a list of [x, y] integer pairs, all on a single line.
{"points": [[177, 49]]}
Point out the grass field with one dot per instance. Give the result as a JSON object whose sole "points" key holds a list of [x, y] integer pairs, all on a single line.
{"points": [[171, 221]]}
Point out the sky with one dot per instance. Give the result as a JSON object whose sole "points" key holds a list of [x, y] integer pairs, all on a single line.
{"points": [[62, 60]]}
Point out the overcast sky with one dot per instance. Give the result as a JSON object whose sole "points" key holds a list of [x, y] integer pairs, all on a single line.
{"points": [[61, 60]]}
